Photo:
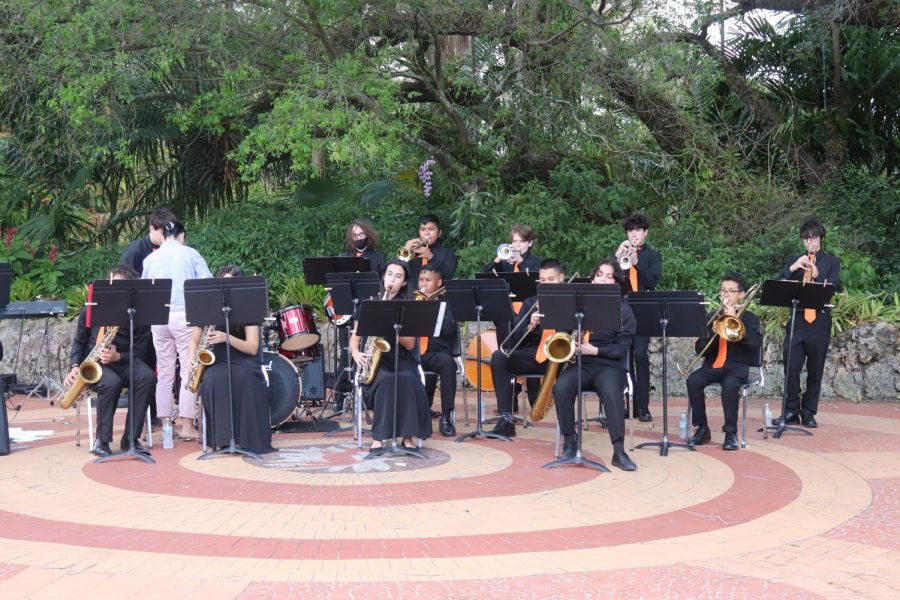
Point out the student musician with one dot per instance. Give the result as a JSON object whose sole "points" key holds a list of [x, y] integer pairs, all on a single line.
{"points": [[437, 352], [521, 259], [726, 363], [362, 240], [249, 395], [177, 262], [428, 250], [642, 274], [115, 367], [812, 330], [529, 357], [603, 370], [138, 250], [413, 415]]}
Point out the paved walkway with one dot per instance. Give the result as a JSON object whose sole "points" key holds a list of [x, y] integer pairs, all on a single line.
{"points": [[799, 517]]}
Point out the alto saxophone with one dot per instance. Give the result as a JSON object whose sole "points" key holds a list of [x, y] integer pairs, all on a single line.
{"points": [[89, 371], [203, 357], [375, 347]]}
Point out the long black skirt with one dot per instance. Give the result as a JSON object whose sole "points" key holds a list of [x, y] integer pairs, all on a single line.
{"points": [[252, 429], [413, 411]]}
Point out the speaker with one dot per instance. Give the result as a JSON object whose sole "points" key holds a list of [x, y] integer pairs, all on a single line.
{"points": [[313, 376]]}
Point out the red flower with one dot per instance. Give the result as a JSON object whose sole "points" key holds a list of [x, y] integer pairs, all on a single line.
{"points": [[9, 234], [53, 254]]}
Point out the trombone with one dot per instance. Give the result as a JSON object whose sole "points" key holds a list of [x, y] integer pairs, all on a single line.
{"points": [[725, 326], [423, 295], [405, 254], [528, 331]]}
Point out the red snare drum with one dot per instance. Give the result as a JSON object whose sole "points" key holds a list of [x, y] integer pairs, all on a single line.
{"points": [[336, 319], [301, 356], [297, 327]]}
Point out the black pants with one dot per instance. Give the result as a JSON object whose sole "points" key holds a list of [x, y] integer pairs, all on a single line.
{"points": [[109, 388], [520, 362], [445, 367], [599, 376], [640, 366], [731, 377], [810, 347]]}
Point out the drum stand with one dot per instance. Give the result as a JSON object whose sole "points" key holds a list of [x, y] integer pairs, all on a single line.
{"points": [[48, 383]]}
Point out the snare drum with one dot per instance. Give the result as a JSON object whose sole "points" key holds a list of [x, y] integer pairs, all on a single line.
{"points": [[301, 356], [284, 387], [297, 327]]}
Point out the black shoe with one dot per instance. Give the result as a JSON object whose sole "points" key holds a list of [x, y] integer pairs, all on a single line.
{"points": [[447, 429], [435, 414], [570, 447], [504, 427], [700, 437], [809, 421], [790, 418], [125, 443], [644, 415], [731, 441], [101, 448], [621, 460], [627, 414]]}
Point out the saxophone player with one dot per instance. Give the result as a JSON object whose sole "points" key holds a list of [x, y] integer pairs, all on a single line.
{"points": [[413, 413], [114, 362], [603, 370]]}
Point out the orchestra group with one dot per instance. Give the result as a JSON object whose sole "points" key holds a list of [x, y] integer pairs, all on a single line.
{"points": [[422, 266]]}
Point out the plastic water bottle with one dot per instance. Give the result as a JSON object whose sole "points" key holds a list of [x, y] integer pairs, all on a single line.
{"points": [[683, 426], [483, 410], [768, 415], [168, 441]]}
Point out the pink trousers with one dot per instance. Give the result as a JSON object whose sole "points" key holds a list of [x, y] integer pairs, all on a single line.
{"points": [[171, 342]]}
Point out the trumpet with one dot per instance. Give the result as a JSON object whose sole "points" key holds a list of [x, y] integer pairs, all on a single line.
{"points": [[627, 258], [506, 252], [729, 327], [423, 295], [405, 254]]}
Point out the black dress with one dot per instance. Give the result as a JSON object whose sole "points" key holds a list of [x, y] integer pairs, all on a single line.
{"points": [[252, 429], [413, 411]]}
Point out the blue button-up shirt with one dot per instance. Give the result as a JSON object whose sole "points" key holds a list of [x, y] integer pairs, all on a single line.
{"points": [[177, 262]]}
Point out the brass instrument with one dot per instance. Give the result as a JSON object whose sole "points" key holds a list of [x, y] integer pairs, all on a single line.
{"points": [[203, 357], [559, 348], [627, 258], [406, 254], [725, 326], [423, 295], [375, 347], [530, 327], [89, 371], [807, 276], [506, 252]]}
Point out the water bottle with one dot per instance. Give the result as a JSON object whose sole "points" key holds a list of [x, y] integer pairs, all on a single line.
{"points": [[683, 425], [483, 410], [768, 415], [168, 441]]}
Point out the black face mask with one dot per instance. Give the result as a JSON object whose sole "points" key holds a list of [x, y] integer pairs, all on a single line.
{"points": [[361, 244]]}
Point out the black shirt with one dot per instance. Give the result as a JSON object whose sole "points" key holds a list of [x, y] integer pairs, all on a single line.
{"points": [[86, 338], [136, 252], [446, 342], [829, 267], [444, 259], [612, 346], [745, 351], [377, 261], [530, 264], [649, 269]]}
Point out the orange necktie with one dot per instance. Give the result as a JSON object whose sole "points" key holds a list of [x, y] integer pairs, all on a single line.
{"points": [[809, 314], [723, 351], [632, 274], [539, 356], [517, 306], [424, 261], [423, 345]]}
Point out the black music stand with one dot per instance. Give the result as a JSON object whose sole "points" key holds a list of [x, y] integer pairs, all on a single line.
{"points": [[667, 314], [578, 307], [477, 300], [387, 318], [317, 268], [522, 285], [5, 283], [226, 301], [126, 303], [347, 291], [788, 293]]}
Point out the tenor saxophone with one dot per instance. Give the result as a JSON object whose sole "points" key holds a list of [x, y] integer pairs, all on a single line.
{"points": [[89, 371], [559, 348], [203, 357]]}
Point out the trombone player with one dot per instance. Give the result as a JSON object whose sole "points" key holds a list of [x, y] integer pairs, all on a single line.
{"points": [[725, 362], [603, 370]]}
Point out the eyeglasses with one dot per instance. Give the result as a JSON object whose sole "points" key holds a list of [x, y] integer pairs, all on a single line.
{"points": [[358, 236], [810, 238], [724, 291]]}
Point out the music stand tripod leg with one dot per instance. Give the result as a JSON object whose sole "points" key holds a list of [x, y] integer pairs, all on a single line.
{"points": [[478, 403], [782, 427]]}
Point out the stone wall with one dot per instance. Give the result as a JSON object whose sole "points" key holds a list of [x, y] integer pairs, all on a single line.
{"points": [[863, 363]]}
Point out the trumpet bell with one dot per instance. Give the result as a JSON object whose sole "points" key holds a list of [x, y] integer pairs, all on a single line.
{"points": [[404, 254], [625, 262], [505, 251]]}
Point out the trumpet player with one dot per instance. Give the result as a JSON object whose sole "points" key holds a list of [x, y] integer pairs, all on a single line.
{"points": [[515, 256], [528, 357], [114, 362], [724, 362], [437, 353], [428, 250], [812, 330], [603, 370], [642, 267]]}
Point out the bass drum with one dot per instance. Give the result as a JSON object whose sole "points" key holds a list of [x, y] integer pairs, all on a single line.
{"points": [[284, 387]]}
